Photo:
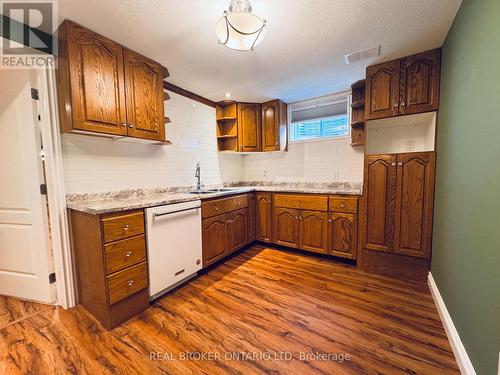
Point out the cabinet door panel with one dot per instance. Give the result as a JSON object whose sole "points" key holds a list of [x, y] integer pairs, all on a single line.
{"points": [[415, 195], [214, 239], [380, 182], [313, 231], [343, 234], [420, 76], [286, 227], [97, 82], [382, 90], [263, 205], [237, 229], [249, 127], [251, 217], [144, 84], [270, 126]]}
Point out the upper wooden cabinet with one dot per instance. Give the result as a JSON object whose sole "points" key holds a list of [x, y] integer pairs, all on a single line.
{"points": [[274, 120], [144, 84], [106, 88], [404, 86], [249, 127]]}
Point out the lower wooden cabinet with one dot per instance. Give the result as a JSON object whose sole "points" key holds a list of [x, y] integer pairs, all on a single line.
{"points": [[342, 235], [110, 259], [263, 217], [313, 231], [286, 227], [224, 234], [251, 217]]}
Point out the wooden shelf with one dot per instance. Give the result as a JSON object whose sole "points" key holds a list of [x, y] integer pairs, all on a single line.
{"points": [[226, 119], [358, 104], [226, 136], [357, 124], [358, 144]]}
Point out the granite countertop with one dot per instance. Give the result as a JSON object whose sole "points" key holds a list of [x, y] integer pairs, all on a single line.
{"points": [[101, 203]]}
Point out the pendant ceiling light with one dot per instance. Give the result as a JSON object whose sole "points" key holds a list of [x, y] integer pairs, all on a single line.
{"points": [[239, 28]]}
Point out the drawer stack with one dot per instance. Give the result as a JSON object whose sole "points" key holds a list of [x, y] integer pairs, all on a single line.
{"points": [[111, 264]]}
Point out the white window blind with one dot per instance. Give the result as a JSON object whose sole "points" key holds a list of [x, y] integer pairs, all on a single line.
{"points": [[320, 118]]}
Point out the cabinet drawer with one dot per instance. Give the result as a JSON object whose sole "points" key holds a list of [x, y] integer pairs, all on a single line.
{"points": [[127, 282], [223, 205], [124, 253], [341, 204], [305, 202], [117, 227]]}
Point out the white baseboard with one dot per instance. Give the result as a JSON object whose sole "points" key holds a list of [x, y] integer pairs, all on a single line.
{"points": [[458, 348]]}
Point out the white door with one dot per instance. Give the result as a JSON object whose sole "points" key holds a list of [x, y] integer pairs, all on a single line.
{"points": [[24, 266]]}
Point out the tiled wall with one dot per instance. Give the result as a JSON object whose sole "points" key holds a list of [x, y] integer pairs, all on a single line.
{"points": [[95, 164], [316, 161]]}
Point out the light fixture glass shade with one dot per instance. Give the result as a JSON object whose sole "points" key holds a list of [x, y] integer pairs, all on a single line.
{"points": [[240, 30]]}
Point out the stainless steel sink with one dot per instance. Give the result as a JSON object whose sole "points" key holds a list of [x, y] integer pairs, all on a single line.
{"points": [[211, 191], [200, 192]]}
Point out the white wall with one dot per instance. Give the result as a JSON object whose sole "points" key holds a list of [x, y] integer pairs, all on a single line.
{"points": [[96, 164], [317, 161]]}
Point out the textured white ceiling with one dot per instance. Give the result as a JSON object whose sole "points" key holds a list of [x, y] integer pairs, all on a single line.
{"points": [[301, 57]]}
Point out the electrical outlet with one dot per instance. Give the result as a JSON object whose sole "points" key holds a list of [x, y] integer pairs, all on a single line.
{"points": [[410, 145], [265, 172]]}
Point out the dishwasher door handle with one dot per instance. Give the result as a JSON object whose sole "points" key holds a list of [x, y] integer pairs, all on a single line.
{"points": [[174, 212]]}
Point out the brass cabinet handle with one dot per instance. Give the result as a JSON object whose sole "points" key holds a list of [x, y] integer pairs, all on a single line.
{"points": [[126, 226], [128, 254], [130, 282]]}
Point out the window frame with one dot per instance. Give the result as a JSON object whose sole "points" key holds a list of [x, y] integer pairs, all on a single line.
{"points": [[303, 104]]}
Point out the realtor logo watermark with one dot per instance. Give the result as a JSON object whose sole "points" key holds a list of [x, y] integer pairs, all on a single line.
{"points": [[28, 30]]}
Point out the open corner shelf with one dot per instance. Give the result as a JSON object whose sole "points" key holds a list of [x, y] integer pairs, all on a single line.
{"points": [[227, 136], [228, 118], [358, 114]]}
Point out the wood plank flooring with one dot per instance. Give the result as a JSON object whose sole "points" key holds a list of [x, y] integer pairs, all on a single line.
{"points": [[264, 311]]}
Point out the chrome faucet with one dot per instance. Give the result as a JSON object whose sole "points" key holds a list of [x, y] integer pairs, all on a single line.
{"points": [[197, 175]]}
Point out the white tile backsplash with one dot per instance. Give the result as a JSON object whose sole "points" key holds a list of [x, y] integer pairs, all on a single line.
{"points": [[97, 164], [316, 161]]}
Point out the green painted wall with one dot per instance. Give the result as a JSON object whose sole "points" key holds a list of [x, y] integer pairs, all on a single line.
{"points": [[466, 245]]}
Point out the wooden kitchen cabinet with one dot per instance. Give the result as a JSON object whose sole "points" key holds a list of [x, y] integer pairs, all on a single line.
{"points": [[404, 86], [251, 217], [274, 123], [420, 78], [249, 127], [399, 203], [382, 90], [224, 227], [111, 264], [106, 88], [144, 93], [380, 196], [214, 239], [313, 231], [286, 227], [263, 212], [414, 204], [342, 234]]}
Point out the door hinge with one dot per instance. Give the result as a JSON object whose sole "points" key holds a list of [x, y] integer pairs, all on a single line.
{"points": [[42, 154], [52, 278], [43, 189], [34, 94]]}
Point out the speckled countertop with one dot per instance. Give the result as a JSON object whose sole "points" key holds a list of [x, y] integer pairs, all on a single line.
{"points": [[101, 203]]}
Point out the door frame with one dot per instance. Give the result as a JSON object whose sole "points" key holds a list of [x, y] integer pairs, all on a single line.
{"points": [[56, 192]]}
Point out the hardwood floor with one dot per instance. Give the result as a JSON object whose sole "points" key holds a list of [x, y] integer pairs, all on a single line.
{"points": [[262, 302], [13, 310]]}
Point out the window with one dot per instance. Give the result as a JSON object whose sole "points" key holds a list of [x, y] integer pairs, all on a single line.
{"points": [[325, 117]]}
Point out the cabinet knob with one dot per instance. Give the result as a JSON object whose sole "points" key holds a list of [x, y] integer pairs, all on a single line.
{"points": [[330, 220], [123, 124], [125, 227], [300, 217], [130, 125], [403, 104], [216, 208], [393, 164], [396, 105], [342, 205], [400, 163], [130, 282], [128, 254]]}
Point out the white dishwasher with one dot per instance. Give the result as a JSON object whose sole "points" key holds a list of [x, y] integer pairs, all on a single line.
{"points": [[173, 235]]}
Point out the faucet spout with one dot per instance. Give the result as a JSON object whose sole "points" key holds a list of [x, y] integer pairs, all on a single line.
{"points": [[198, 176]]}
